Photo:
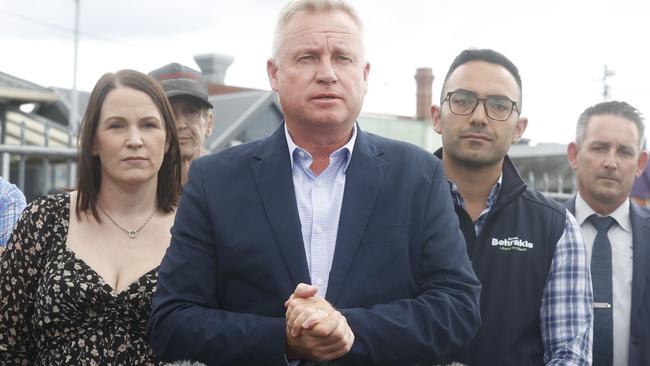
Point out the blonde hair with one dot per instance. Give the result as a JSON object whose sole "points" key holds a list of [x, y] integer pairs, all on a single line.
{"points": [[310, 7]]}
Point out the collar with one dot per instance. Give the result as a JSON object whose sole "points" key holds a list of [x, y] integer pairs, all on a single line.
{"points": [[491, 199], [621, 214], [349, 146], [512, 184]]}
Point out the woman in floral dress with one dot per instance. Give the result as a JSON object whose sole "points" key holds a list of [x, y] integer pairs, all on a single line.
{"points": [[80, 269]]}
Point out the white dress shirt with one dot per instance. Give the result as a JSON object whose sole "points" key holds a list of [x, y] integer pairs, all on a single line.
{"points": [[620, 237]]}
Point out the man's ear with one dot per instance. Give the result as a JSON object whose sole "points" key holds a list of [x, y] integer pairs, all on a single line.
{"points": [[520, 128], [272, 72], [641, 164], [366, 72], [435, 118], [209, 123], [572, 154]]}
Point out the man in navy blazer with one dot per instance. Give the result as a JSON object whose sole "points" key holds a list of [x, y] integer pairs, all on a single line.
{"points": [[321, 242], [607, 155]]}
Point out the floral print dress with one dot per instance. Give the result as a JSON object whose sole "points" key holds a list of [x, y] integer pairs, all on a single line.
{"points": [[56, 310]]}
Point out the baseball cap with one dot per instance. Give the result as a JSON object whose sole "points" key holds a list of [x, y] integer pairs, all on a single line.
{"points": [[177, 79]]}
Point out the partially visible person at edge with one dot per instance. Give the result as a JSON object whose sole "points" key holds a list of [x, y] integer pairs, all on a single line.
{"points": [[12, 203], [526, 249], [81, 267], [320, 242], [607, 155], [188, 94]]}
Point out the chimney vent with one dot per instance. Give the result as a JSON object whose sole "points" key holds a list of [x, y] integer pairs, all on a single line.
{"points": [[424, 80], [213, 66]]}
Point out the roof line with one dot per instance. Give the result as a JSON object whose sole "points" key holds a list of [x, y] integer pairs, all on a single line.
{"points": [[238, 124], [29, 95]]}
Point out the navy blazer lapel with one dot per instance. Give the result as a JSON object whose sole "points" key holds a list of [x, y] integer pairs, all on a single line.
{"points": [[571, 205], [273, 176], [641, 254], [363, 179]]}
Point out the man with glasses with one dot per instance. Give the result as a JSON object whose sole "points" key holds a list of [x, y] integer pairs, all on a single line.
{"points": [[527, 251], [188, 94]]}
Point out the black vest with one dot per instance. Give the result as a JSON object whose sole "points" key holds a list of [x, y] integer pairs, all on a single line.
{"points": [[512, 257]]}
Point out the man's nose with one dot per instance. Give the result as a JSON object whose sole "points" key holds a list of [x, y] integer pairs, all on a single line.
{"points": [[326, 72], [479, 115], [610, 160], [181, 121]]}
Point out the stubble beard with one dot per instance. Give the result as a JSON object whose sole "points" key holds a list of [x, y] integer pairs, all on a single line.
{"points": [[473, 159], [607, 196]]}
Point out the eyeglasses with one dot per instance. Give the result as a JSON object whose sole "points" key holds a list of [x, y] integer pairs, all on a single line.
{"points": [[464, 103]]}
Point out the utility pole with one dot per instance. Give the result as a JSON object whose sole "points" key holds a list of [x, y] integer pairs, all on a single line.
{"points": [[607, 73], [74, 100], [73, 118]]}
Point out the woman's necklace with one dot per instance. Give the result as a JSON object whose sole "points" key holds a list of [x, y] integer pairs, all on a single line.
{"points": [[131, 233]]}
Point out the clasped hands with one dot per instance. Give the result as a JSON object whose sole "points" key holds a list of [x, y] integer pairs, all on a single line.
{"points": [[314, 329]]}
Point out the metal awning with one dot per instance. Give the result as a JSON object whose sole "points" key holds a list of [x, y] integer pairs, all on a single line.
{"points": [[16, 89]]}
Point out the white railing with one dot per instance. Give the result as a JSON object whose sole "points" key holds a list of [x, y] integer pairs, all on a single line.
{"points": [[559, 191], [39, 169]]}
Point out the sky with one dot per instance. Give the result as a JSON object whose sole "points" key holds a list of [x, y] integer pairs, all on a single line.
{"points": [[560, 47]]}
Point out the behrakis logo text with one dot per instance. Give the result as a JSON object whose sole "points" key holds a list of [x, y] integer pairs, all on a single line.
{"points": [[513, 243]]}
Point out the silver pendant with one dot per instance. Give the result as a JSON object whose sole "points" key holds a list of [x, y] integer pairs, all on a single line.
{"points": [[132, 234]]}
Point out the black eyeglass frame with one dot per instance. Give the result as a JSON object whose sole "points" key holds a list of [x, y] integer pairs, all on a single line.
{"points": [[478, 100]]}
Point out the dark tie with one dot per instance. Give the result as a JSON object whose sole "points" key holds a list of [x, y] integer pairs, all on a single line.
{"points": [[601, 277]]}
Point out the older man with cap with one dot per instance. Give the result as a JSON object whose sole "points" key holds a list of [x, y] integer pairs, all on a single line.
{"points": [[188, 94]]}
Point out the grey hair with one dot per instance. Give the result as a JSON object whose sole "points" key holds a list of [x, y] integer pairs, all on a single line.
{"points": [[614, 108], [294, 7]]}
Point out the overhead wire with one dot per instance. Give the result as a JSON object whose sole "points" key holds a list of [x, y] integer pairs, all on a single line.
{"points": [[57, 27]]}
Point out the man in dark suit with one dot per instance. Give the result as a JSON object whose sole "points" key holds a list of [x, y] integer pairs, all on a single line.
{"points": [[320, 242], [607, 155]]}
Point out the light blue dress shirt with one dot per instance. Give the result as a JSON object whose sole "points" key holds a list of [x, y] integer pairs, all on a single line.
{"points": [[12, 204], [319, 199]]}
